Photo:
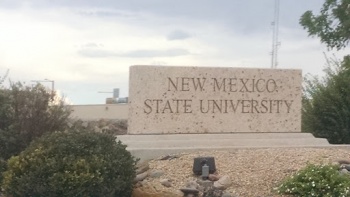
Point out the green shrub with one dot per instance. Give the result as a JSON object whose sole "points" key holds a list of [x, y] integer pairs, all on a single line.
{"points": [[317, 180], [326, 103], [27, 113], [3, 166], [71, 164]]}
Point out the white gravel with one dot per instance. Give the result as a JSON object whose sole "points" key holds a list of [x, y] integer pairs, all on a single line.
{"points": [[254, 172]]}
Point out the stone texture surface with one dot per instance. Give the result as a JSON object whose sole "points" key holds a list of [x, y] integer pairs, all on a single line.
{"points": [[213, 100]]}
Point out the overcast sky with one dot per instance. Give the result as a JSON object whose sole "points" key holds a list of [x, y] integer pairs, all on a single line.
{"points": [[87, 46]]}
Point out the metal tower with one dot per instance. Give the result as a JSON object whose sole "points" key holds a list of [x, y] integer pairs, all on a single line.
{"points": [[275, 42]]}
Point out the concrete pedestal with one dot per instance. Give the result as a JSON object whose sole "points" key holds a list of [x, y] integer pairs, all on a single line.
{"points": [[153, 146]]}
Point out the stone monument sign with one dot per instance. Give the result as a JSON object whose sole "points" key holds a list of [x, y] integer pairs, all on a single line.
{"points": [[170, 100]]}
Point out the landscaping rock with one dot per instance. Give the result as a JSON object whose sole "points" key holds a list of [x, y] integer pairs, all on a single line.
{"points": [[142, 167], [344, 171], [156, 173], [253, 172], [149, 191], [223, 183], [226, 194], [165, 182], [347, 167], [190, 192], [169, 157], [343, 161], [205, 183], [192, 184], [213, 177], [141, 177], [212, 192]]}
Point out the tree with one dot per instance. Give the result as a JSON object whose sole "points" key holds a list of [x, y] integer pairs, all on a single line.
{"points": [[2, 79], [332, 25], [326, 103], [26, 113]]}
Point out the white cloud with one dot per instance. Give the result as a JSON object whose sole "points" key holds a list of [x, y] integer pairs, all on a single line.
{"points": [[178, 35], [88, 47], [97, 53]]}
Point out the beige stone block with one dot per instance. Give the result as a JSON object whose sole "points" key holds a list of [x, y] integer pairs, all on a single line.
{"points": [[164, 99]]}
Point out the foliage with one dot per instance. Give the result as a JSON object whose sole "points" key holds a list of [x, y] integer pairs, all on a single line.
{"points": [[332, 25], [2, 79], [326, 103], [26, 113], [317, 180], [71, 164], [3, 167], [112, 127]]}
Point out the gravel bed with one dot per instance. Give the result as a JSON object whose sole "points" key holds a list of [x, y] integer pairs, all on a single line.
{"points": [[254, 172]]}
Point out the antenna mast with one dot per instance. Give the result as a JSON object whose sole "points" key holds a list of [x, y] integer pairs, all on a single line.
{"points": [[275, 42]]}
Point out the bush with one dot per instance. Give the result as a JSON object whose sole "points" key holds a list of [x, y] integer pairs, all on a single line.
{"points": [[26, 113], [3, 167], [326, 104], [71, 164], [317, 180], [112, 127]]}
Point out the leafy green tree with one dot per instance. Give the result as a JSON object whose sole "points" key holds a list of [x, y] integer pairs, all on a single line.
{"points": [[26, 113], [332, 25], [326, 103]]}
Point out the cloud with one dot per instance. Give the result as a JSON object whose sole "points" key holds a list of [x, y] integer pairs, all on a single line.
{"points": [[227, 33], [157, 53], [97, 53], [178, 35], [244, 17], [91, 45], [98, 12]]}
